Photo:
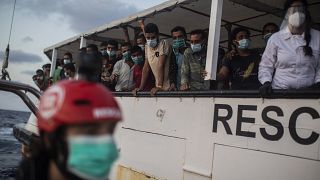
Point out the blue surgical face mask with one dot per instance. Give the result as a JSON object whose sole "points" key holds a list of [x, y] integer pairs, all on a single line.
{"points": [[91, 157], [126, 55], [196, 47], [152, 43], [111, 53], [266, 37], [141, 46], [137, 59], [244, 44]]}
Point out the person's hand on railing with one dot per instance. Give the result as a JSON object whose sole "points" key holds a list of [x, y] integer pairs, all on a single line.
{"points": [[172, 87], [265, 89], [316, 86], [184, 87], [135, 91], [155, 90]]}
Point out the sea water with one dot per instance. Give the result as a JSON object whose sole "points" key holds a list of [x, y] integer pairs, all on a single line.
{"points": [[10, 148]]}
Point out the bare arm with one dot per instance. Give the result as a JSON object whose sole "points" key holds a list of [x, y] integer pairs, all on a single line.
{"points": [[145, 74], [141, 23], [162, 61], [223, 73], [126, 34]]}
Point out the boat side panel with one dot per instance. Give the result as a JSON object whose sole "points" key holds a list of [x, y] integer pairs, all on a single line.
{"points": [[159, 156], [235, 163], [192, 121]]}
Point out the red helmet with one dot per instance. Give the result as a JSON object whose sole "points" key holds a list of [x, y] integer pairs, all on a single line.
{"points": [[76, 102]]}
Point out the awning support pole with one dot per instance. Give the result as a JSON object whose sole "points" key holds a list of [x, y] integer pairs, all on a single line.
{"points": [[53, 61], [213, 39], [83, 42]]}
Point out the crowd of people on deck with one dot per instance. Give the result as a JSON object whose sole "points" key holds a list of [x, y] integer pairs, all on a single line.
{"points": [[290, 59], [76, 120]]}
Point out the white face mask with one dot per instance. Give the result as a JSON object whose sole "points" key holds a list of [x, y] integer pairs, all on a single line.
{"points": [[297, 19], [66, 61], [152, 43]]}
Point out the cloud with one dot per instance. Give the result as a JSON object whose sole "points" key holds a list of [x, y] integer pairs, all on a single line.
{"points": [[82, 15], [27, 39], [28, 72], [18, 56]]}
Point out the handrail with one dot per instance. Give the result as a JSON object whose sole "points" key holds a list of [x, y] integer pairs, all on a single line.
{"points": [[277, 94], [18, 88]]}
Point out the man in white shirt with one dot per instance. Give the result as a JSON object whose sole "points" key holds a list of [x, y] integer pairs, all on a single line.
{"points": [[123, 70]]}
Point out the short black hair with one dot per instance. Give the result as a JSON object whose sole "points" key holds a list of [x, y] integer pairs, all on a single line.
{"points": [[270, 24], [104, 44], [39, 71], [48, 65], [151, 28], [135, 49], [113, 43], [70, 66], [179, 28], [236, 30], [141, 36], [199, 31], [68, 54], [126, 44], [93, 47]]}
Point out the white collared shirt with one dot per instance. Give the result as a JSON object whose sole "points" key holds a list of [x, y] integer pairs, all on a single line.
{"points": [[124, 76], [284, 62]]}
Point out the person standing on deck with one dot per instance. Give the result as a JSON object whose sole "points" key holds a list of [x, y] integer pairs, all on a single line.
{"points": [[179, 45], [123, 70], [193, 64], [241, 69], [157, 59], [292, 56]]}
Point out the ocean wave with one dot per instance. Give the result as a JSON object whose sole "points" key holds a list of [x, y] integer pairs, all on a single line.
{"points": [[6, 131]]}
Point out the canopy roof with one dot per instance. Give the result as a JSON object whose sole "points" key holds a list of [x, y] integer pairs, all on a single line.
{"points": [[191, 14]]}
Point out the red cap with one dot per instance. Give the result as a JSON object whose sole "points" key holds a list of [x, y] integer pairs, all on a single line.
{"points": [[76, 102]]}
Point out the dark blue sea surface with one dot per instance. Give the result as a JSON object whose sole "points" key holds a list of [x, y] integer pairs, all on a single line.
{"points": [[10, 148]]}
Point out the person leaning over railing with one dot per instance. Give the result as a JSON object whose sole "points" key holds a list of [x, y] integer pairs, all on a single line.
{"points": [[41, 80], [157, 60], [242, 68], [292, 56], [194, 61]]}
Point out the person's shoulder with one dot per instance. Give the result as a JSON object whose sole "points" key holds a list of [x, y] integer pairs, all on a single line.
{"points": [[256, 52], [120, 61], [276, 36], [188, 51], [314, 31], [163, 41]]}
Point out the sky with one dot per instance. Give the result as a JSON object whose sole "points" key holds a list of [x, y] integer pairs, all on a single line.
{"points": [[39, 24]]}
